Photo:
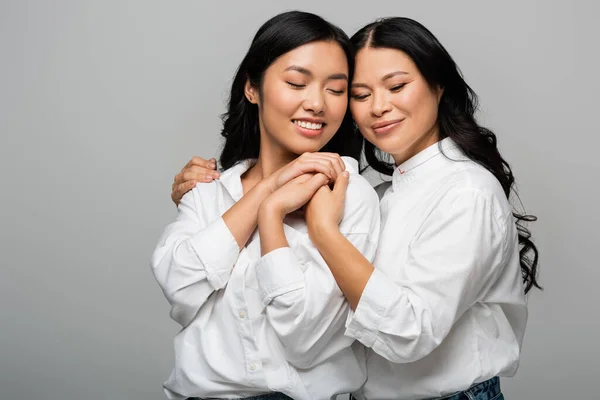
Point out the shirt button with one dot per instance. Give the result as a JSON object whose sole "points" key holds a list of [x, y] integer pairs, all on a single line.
{"points": [[252, 367], [242, 314]]}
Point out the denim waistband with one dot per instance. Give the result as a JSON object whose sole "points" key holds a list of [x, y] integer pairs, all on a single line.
{"points": [[268, 396], [486, 390]]}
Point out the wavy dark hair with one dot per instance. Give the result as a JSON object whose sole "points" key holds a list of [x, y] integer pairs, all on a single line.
{"points": [[456, 115], [279, 35]]}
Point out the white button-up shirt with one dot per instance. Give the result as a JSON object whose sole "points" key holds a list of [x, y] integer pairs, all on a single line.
{"points": [[253, 324], [445, 307]]}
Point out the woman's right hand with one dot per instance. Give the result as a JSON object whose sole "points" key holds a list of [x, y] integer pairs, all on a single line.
{"points": [[328, 164], [196, 170]]}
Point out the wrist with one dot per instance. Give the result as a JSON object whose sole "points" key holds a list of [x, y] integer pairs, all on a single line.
{"points": [[269, 185], [321, 231], [269, 211]]}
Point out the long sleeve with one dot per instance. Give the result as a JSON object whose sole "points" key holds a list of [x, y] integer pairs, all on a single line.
{"points": [[303, 303], [455, 256], [195, 255]]}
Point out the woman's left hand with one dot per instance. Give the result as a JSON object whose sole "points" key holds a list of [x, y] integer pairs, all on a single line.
{"points": [[326, 208]]}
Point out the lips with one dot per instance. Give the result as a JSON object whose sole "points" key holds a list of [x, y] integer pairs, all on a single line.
{"points": [[385, 126], [308, 124], [309, 127]]}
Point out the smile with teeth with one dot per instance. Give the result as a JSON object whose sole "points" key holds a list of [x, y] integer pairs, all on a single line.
{"points": [[308, 125]]}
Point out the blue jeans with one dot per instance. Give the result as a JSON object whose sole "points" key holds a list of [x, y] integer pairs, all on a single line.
{"points": [[487, 390], [269, 396]]}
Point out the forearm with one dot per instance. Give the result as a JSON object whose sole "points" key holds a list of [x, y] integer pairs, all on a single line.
{"points": [[242, 217], [349, 267], [270, 228]]}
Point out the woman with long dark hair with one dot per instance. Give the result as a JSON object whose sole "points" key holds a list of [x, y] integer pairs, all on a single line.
{"points": [[262, 315], [442, 310]]}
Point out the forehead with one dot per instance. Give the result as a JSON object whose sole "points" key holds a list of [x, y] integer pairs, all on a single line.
{"points": [[374, 63], [325, 57]]}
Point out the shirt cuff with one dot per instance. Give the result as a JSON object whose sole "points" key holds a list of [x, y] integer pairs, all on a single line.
{"points": [[218, 251], [278, 272], [363, 323]]}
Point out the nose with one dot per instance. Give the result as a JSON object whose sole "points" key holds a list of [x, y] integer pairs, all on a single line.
{"points": [[380, 105], [314, 101]]}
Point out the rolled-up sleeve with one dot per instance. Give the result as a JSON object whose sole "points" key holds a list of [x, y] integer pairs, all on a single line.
{"points": [[456, 254], [194, 257]]}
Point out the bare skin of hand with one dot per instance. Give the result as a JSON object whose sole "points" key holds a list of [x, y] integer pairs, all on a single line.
{"points": [[289, 198], [200, 170], [196, 170], [326, 207]]}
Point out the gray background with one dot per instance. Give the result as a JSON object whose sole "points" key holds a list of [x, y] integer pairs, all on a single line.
{"points": [[101, 103]]}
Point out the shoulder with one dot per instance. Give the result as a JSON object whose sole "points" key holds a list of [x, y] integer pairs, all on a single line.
{"points": [[472, 184], [360, 193], [204, 198]]}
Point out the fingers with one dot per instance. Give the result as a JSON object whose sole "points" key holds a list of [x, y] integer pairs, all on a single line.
{"points": [[324, 167], [201, 162], [199, 173], [340, 186], [307, 186], [179, 190], [195, 173], [316, 182], [329, 164], [332, 164], [336, 160]]}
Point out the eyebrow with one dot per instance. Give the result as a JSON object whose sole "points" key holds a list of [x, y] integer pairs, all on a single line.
{"points": [[393, 74], [306, 72], [385, 78]]}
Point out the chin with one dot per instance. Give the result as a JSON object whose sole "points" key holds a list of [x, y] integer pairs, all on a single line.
{"points": [[306, 149], [307, 146]]}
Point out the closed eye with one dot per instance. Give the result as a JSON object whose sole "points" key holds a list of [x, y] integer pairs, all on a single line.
{"points": [[360, 97], [295, 85], [397, 87]]}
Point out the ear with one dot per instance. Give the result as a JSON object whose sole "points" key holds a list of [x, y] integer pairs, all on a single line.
{"points": [[250, 92], [439, 91]]}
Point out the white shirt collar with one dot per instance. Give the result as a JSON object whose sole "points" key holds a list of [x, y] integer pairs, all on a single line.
{"points": [[231, 178], [426, 161]]}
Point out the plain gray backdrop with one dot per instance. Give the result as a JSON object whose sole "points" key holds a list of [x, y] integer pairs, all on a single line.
{"points": [[102, 102]]}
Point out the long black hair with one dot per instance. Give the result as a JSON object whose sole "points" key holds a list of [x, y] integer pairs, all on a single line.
{"points": [[277, 36], [456, 114]]}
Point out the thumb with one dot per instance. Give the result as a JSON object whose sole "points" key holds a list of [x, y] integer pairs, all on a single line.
{"points": [[341, 184]]}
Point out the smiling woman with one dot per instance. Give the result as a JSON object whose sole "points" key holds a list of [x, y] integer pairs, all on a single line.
{"points": [[300, 85], [390, 94], [262, 315]]}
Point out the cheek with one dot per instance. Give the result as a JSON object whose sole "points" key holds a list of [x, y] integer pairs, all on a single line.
{"points": [[360, 114], [428, 111], [279, 99], [420, 105], [337, 108]]}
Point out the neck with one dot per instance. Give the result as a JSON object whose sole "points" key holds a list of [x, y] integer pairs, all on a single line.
{"points": [[271, 157], [431, 137]]}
